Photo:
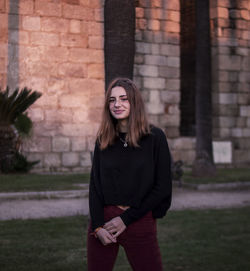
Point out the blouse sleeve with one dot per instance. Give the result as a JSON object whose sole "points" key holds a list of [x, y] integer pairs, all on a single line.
{"points": [[95, 195], [162, 188]]}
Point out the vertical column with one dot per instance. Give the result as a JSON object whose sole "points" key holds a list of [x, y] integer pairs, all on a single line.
{"points": [[13, 45]]}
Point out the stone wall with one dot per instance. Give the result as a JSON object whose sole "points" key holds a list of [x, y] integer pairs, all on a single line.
{"points": [[56, 47], [157, 69], [231, 75]]}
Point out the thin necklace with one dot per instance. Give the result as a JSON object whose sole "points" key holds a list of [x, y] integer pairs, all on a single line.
{"points": [[125, 142]]}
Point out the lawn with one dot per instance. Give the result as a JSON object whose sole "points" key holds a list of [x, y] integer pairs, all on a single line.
{"points": [[208, 240], [50, 182], [223, 175], [37, 182]]}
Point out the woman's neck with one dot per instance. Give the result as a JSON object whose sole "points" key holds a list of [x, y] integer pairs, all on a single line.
{"points": [[123, 126]]}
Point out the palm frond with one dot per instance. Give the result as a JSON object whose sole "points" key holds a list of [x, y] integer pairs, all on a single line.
{"points": [[11, 106]]}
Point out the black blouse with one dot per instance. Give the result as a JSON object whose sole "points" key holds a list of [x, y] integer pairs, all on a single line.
{"points": [[139, 177]]}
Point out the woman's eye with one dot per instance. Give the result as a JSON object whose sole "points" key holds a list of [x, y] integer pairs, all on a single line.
{"points": [[124, 99], [111, 100]]}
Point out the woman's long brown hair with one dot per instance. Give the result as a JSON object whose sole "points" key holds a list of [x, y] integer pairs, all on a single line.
{"points": [[138, 125]]}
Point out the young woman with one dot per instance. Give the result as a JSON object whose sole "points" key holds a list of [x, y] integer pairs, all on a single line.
{"points": [[130, 183]]}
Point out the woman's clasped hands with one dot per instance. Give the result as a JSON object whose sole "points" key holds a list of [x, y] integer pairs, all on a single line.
{"points": [[111, 230]]}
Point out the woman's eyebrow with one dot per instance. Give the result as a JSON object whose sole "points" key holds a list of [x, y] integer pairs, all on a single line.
{"points": [[125, 95]]}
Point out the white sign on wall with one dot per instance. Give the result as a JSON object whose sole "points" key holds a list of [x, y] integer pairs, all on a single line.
{"points": [[222, 151]]}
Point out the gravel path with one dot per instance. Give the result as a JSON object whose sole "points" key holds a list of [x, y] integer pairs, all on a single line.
{"points": [[13, 208]]}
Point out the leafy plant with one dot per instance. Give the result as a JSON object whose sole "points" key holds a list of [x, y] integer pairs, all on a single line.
{"points": [[14, 123]]}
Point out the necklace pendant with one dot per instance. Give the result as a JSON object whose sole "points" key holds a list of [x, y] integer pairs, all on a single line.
{"points": [[125, 144]]}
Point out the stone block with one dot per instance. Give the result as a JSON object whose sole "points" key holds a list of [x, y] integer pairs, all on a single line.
{"points": [[53, 24], [172, 109], [82, 55], [169, 120], [95, 29], [45, 129], [227, 122], [75, 26], [36, 114], [173, 16], [31, 23], [96, 71], [51, 54], [244, 77], [153, 25], [70, 159], [170, 27], [72, 101], [183, 143], [143, 47], [99, 15], [38, 144], [169, 72], [245, 14], [171, 5], [26, 7], [3, 6], [245, 111], [228, 98], [62, 115], [93, 86], [148, 70], [222, 12], [78, 144], [156, 3], [237, 132], [83, 129], [73, 70], [85, 159], [42, 38], [48, 101], [155, 49], [154, 83], [74, 12], [243, 98], [173, 84], [170, 50], [156, 60], [80, 115], [241, 157], [229, 62], [173, 62], [73, 40], [48, 8], [248, 123], [158, 36], [52, 160], [96, 42], [139, 12], [60, 144], [154, 106], [241, 122], [172, 132]]}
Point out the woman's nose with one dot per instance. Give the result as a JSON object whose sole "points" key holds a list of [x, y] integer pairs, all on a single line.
{"points": [[117, 103]]}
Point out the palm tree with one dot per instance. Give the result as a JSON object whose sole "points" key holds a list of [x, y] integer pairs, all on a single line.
{"points": [[203, 164], [12, 107], [119, 44]]}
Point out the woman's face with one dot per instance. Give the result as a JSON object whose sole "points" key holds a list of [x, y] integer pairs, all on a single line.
{"points": [[119, 105]]}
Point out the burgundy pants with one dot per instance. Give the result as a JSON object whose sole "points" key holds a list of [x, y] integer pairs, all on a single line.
{"points": [[139, 241]]}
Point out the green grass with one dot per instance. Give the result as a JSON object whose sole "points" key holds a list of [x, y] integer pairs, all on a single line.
{"points": [[224, 175], [208, 240], [36, 182]]}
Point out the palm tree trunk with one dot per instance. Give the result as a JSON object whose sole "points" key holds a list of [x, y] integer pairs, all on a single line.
{"points": [[119, 43], [203, 165]]}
